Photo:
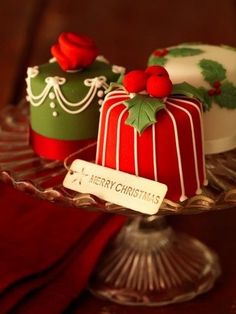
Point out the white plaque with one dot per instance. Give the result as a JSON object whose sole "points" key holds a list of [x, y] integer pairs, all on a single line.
{"points": [[127, 190]]}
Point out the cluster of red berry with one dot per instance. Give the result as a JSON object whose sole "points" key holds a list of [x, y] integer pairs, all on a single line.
{"points": [[161, 52], [155, 80], [216, 90]]}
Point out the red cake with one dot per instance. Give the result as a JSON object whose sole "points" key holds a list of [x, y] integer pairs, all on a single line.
{"points": [[167, 148]]}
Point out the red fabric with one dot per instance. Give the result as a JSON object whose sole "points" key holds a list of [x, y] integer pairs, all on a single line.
{"points": [[55, 149], [48, 249]]}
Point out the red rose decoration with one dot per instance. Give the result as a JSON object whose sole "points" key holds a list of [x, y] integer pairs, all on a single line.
{"points": [[74, 51]]}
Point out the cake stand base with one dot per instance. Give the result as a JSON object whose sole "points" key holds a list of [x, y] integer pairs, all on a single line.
{"points": [[150, 264]]}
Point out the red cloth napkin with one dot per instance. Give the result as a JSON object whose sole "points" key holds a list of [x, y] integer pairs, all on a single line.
{"points": [[47, 252]]}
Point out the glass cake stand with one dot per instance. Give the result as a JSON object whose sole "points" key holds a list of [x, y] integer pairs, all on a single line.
{"points": [[148, 263]]}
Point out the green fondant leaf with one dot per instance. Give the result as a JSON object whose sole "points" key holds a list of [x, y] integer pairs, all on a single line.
{"points": [[212, 70], [184, 52], [187, 90], [113, 86], [142, 111], [229, 47], [154, 60], [120, 78], [206, 99], [227, 98]]}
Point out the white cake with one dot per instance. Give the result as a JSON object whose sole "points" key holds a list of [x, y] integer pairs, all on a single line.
{"points": [[212, 69]]}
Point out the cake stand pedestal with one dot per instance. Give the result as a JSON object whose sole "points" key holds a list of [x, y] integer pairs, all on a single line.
{"points": [[147, 263], [150, 264]]}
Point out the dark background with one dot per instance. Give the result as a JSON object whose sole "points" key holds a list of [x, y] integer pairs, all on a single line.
{"points": [[127, 32]]}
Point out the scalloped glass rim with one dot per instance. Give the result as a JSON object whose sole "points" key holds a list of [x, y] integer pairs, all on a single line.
{"points": [[42, 178]]}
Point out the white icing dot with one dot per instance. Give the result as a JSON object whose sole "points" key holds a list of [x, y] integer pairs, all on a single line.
{"points": [[100, 102], [52, 95], [100, 93], [52, 105], [55, 113]]}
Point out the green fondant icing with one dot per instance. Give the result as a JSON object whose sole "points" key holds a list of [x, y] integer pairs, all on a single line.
{"points": [[142, 111], [227, 98], [206, 99], [212, 71], [68, 126], [184, 52], [187, 90]]}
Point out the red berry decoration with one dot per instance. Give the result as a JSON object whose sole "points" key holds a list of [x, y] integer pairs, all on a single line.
{"points": [[135, 81], [159, 86], [156, 70], [161, 52]]}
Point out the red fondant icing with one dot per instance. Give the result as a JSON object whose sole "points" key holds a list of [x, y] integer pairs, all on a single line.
{"points": [[55, 149], [74, 51], [170, 151]]}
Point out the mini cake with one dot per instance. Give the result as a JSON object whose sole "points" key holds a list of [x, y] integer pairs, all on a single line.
{"points": [[211, 69], [65, 96], [146, 133]]}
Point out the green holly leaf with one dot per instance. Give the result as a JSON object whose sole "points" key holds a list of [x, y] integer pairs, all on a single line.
{"points": [[155, 60], [184, 52], [212, 70], [120, 78], [113, 86], [187, 90], [142, 111], [206, 99], [227, 98]]}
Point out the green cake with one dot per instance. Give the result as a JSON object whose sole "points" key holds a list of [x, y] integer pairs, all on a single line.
{"points": [[64, 104]]}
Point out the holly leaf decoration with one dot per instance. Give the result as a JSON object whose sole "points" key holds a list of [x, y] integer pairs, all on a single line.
{"points": [[184, 52], [227, 98], [206, 99], [212, 70], [142, 111], [187, 90], [113, 86], [155, 60]]}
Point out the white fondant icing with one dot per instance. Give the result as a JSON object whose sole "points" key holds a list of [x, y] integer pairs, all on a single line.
{"points": [[52, 95], [118, 69], [52, 60], [136, 152], [219, 123], [100, 93], [33, 71], [55, 113], [52, 105], [100, 102], [154, 153], [102, 59]]}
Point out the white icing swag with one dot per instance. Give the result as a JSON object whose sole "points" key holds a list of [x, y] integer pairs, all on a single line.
{"points": [[53, 90]]}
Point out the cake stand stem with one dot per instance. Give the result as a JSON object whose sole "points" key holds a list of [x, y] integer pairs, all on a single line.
{"points": [[148, 263]]}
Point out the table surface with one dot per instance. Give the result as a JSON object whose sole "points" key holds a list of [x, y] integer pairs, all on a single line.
{"points": [[127, 32]]}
